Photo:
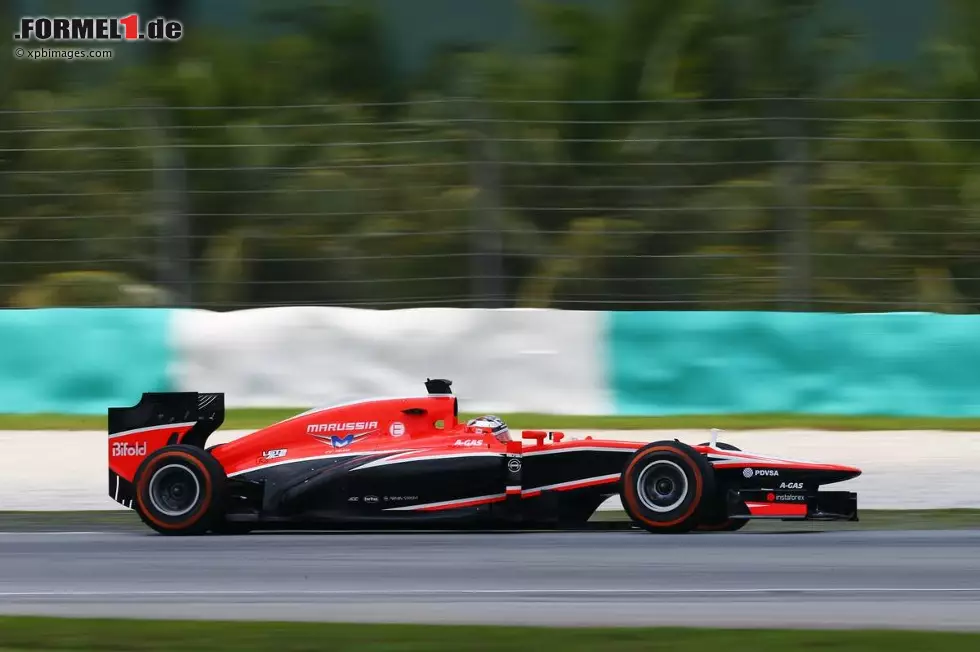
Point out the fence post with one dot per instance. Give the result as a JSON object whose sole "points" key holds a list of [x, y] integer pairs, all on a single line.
{"points": [[169, 203], [793, 214], [486, 239]]}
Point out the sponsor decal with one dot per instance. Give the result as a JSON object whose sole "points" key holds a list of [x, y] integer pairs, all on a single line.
{"points": [[400, 499], [74, 29], [750, 472], [345, 439], [396, 429], [791, 485], [469, 442], [314, 428], [370, 499], [770, 498], [353, 499], [790, 498], [513, 465], [342, 442], [122, 449], [274, 454]]}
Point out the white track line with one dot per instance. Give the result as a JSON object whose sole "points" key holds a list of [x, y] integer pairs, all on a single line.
{"points": [[436, 592], [28, 533]]}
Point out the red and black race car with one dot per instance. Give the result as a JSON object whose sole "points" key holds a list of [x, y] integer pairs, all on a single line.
{"points": [[409, 462]]}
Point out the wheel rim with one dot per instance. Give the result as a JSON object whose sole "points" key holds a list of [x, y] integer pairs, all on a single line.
{"points": [[662, 486], [174, 490]]}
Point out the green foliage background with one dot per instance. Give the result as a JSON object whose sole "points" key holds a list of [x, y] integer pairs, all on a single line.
{"points": [[644, 158]]}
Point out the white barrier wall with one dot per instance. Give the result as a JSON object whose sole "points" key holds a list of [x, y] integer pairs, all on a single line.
{"points": [[515, 360]]}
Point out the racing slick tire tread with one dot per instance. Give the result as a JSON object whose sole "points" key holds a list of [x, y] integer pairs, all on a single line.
{"points": [[208, 507], [683, 517]]}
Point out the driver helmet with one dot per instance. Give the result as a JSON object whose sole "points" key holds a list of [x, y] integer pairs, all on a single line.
{"points": [[489, 424]]}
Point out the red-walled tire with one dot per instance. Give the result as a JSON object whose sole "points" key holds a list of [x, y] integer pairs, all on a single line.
{"points": [[180, 490], [664, 487]]}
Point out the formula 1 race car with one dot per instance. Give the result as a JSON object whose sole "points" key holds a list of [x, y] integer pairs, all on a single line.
{"points": [[409, 462]]}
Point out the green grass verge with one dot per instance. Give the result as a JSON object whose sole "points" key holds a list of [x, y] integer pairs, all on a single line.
{"points": [[872, 519], [23, 634], [258, 418]]}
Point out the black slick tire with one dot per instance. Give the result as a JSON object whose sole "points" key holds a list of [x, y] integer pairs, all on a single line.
{"points": [[664, 486], [180, 490]]}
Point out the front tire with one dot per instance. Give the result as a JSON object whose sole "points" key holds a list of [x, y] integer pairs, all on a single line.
{"points": [[180, 490], [664, 486]]}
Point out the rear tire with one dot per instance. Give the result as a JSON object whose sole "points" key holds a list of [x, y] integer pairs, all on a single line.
{"points": [[664, 486], [180, 490]]}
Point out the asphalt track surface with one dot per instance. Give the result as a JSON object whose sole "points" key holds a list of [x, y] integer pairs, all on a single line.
{"points": [[921, 580]]}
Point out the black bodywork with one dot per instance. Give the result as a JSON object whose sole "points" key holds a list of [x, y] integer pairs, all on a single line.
{"points": [[533, 489]]}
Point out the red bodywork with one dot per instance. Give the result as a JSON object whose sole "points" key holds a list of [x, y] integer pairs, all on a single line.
{"points": [[387, 432]]}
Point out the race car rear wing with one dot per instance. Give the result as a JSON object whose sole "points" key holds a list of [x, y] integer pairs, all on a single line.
{"points": [[159, 419], [205, 411]]}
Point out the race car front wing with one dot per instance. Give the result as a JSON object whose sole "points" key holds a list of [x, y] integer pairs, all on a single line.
{"points": [[793, 505]]}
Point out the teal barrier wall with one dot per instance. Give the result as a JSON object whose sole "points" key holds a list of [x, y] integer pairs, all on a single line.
{"points": [[80, 361], [907, 364]]}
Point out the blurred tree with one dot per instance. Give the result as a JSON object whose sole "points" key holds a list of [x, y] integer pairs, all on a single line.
{"points": [[87, 289], [348, 52], [629, 176]]}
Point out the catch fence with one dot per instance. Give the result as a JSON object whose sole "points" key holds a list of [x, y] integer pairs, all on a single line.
{"points": [[754, 204]]}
